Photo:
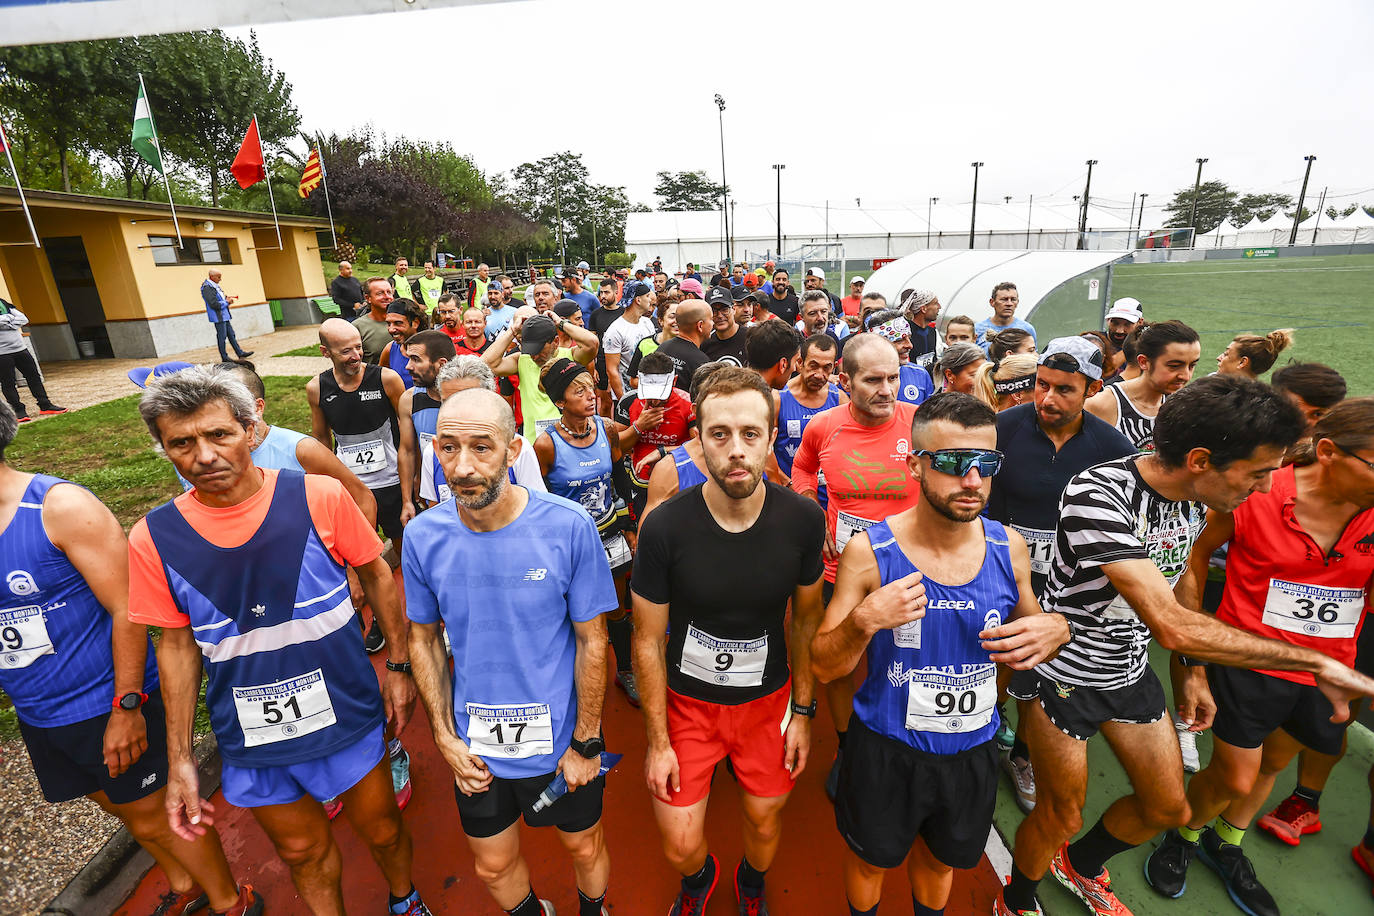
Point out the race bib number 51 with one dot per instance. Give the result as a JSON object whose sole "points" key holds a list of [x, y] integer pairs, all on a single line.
{"points": [[288, 709], [1313, 610]]}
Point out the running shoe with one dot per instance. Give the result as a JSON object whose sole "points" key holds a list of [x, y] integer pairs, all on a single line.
{"points": [[400, 777], [1006, 735], [249, 904], [625, 680], [332, 807], [23, 418], [1000, 908], [52, 410], [182, 904], [690, 905], [749, 905], [1022, 780], [375, 638], [1096, 893], [1166, 870], [832, 779], [1292, 820], [414, 906], [1229, 861], [1364, 858], [1187, 745]]}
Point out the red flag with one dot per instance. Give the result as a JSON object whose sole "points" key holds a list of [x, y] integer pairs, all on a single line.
{"points": [[247, 167], [313, 174]]}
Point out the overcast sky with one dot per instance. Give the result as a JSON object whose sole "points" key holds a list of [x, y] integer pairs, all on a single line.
{"points": [[888, 102]]}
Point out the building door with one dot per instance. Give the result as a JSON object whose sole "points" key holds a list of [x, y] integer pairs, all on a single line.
{"points": [[71, 272]]}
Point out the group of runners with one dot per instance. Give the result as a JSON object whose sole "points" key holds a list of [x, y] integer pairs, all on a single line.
{"points": [[746, 504]]}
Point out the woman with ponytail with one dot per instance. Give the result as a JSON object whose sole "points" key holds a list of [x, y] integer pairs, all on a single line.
{"points": [[1251, 355], [1008, 383]]}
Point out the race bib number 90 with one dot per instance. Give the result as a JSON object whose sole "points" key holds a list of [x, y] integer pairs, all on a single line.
{"points": [[1041, 546], [23, 636], [288, 709], [1313, 610], [724, 662], [510, 732], [940, 700], [364, 457]]}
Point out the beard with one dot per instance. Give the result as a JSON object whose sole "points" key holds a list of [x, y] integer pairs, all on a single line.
{"points": [[944, 505], [735, 489], [490, 492]]}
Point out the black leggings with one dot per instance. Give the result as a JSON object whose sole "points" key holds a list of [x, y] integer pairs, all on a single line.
{"points": [[24, 362]]}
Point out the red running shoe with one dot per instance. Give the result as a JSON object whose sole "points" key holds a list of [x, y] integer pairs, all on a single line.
{"points": [[1292, 820]]}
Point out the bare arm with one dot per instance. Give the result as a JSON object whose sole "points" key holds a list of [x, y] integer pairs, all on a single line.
{"points": [[406, 459], [430, 666], [317, 459], [662, 484], [613, 374], [544, 452], [178, 666], [398, 690], [841, 640], [806, 617], [589, 676], [1029, 636], [587, 343], [651, 675], [1103, 406], [495, 355], [319, 426]]}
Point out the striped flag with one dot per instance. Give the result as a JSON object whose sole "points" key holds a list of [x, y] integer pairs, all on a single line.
{"points": [[4, 140], [313, 174], [144, 139]]}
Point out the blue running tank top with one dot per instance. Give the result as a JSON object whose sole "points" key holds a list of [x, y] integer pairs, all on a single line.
{"points": [[55, 658], [792, 419], [278, 450], [289, 681], [914, 384], [424, 416], [398, 362], [688, 474], [930, 684], [582, 473]]}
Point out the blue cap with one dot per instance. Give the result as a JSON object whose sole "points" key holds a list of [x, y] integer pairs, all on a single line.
{"points": [[140, 375]]}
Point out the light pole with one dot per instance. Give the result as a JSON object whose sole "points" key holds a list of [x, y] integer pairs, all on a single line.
{"points": [[778, 167], [930, 206], [1197, 187], [724, 190], [1302, 195], [973, 211], [1083, 214]]}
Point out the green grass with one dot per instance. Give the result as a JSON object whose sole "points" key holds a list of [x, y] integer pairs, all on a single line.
{"points": [[310, 350]]}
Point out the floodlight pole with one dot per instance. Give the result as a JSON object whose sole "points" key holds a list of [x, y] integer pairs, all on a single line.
{"points": [[1083, 214], [1030, 205], [1197, 188], [973, 210], [778, 167], [1302, 195], [1321, 206], [1140, 220], [930, 205], [724, 191]]}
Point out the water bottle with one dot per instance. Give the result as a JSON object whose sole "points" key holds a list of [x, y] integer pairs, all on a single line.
{"points": [[559, 786]]}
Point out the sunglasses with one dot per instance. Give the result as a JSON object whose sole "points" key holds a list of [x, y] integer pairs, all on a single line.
{"points": [[957, 462]]}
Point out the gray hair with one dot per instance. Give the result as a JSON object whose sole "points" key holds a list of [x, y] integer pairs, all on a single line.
{"points": [[466, 366], [815, 295], [183, 393], [959, 355], [9, 427]]}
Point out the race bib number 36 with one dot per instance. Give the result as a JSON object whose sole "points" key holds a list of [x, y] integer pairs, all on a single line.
{"points": [[941, 700], [364, 457], [510, 732], [288, 709], [724, 662], [1313, 610], [23, 636], [1041, 546]]}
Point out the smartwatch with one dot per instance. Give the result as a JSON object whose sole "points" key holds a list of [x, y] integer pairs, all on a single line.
{"points": [[129, 701], [401, 667], [591, 748], [1187, 662], [800, 710]]}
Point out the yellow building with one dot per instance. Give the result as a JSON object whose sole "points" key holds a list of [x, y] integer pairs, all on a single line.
{"points": [[110, 279]]}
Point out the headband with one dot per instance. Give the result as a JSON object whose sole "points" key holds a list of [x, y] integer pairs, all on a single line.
{"points": [[1013, 385], [892, 330]]}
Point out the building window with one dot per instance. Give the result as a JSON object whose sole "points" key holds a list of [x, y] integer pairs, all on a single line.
{"points": [[166, 252]]}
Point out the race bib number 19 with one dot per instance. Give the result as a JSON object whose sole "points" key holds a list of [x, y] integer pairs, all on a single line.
{"points": [[1313, 610], [23, 636], [510, 732]]}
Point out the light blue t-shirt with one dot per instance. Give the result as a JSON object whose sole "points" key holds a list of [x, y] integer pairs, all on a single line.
{"points": [[509, 618], [498, 319], [980, 330]]}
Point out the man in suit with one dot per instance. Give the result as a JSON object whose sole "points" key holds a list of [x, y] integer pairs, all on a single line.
{"points": [[217, 310]]}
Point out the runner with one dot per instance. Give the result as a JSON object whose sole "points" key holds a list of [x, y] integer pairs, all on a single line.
{"points": [[727, 340], [431, 288], [427, 354], [1004, 300], [1168, 352], [1124, 533], [254, 561], [83, 681], [450, 318], [1007, 384], [1046, 444], [915, 384], [921, 308], [538, 348], [663, 413], [860, 448], [404, 318], [624, 334], [958, 367], [685, 466], [378, 293], [1313, 387], [523, 701], [577, 457], [473, 340], [602, 318], [1251, 355], [1297, 573], [959, 329], [806, 394], [919, 778], [772, 348], [719, 684], [1124, 317]]}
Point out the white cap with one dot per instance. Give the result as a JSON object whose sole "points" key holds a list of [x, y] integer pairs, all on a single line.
{"points": [[655, 387], [1126, 308], [583, 265], [856, 279], [815, 272]]}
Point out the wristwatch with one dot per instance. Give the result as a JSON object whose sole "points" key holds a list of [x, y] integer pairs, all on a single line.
{"points": [[1187, 662], [401, 667], [129, 701], [800, 710], [591, 748]]}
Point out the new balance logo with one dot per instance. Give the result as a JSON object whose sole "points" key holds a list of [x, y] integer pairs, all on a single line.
{"points": [[536, 575], [148, 780]]}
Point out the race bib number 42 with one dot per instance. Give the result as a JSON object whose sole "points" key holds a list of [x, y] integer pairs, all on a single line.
{"points": [[510, 732], [364, 457], [940, 700], [288, 709], [724, 662], [1313, 610], [23, 636]]}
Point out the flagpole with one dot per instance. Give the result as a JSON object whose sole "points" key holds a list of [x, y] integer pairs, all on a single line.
{"points": [[162, 157], [268, 175], [18, 186], [324, 177]]}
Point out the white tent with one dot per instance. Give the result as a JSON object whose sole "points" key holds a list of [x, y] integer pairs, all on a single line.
{"points": [[1355, 229], [1254, 234]]}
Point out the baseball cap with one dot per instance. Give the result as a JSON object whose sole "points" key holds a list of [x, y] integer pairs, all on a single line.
{"points": [[536, 333], [1126, 308], [655, 387], [566, 308], [740, 293], [856, 279], [720, 297], [636, 289], [140, 375], [815, 272], [583, 265], [691, 285], [1085, 356]]}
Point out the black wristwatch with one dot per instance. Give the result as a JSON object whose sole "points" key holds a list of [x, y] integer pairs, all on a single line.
{"points": [[591, 748], [1187, 662], [130, 701], [800, 710], [401, 667]]}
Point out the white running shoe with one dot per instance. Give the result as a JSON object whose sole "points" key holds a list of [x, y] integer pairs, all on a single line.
{"points": [[1022, 781], [1187, 744]]}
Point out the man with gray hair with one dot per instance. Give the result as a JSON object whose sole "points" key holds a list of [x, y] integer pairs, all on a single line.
{"points": [[217, 310], [922, 309], [522, 705], [245, 573]]}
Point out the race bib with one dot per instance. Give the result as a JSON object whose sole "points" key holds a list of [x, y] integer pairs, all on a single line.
{"points": [[23, 636], [288, 709], [617, 550], [1313, 610], [541, 426], [364, 457], [846, 526], [794, 429], [510, 732], [425, 439], [1041, 546], [723, 662], [939, 700]]}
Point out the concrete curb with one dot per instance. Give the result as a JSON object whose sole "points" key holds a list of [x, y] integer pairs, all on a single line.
{"points": [[117, 868]]}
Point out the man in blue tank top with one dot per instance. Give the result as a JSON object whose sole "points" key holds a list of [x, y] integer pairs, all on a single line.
{"points": [[404, 319], [246, 573], [523, 701], [806, 394], [937, 597], [82, 679], [427, 352]]}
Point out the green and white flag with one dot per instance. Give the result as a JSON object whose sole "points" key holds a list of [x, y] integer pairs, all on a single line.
{"points": [[145, 140]]}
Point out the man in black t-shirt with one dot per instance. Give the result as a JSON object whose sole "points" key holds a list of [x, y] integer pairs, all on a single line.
{"points": [[602, 318], [720, 685], [726, 343], [783, 300], [693, 324]]}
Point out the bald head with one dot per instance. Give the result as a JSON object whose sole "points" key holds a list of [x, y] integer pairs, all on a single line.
{"points": [[335, 333], [864, 349], [689, 315], [215, 275], [477, 407]]}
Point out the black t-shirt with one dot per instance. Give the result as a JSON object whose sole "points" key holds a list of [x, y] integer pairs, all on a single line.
{"points": [[730, 350], [346, 291], [786, 308], [602, 318], [727, 592], [687, 357]]}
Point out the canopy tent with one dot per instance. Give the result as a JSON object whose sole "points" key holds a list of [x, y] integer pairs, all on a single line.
{"points": [[1317, 229]]}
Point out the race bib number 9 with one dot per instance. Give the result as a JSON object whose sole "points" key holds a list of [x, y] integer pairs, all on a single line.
{"points": [[1313, 610], [510, 732], [939, 700], [1041, 546], [724, 662], [288, 709], [846, 526], [23, 636], [364, 457]]}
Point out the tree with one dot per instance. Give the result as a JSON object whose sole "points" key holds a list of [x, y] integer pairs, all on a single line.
{"points": [[1333, 213], [688, 191], [1262, 205], [1214, 202], [558, 187], [52, 90]]}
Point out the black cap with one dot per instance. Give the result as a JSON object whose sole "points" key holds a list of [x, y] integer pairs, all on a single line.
{"points": [[719, 297], [536, 333], [566, 308], [741, 292]]}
